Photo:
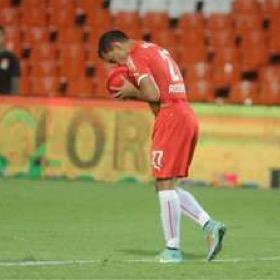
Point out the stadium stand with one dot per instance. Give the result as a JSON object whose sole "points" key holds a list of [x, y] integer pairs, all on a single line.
{"points": [[228, 50]]}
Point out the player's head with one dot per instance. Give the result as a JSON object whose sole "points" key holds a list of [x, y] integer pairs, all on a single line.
{"points": [[113, 47], [2, 35]]}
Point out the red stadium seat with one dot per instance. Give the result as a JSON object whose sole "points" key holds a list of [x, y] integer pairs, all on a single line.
{"points": [[124, 19], [246, 22], [253, 50], [244, 92], [220, 39], [13, 39], [192, 22], [100, 81], [33, 17], [246, 6], [44, 86], [152, 22], [225, 74], [221, 22], [200, 91], [70, 35], [24, 86], [45, 67], [5, 4], [82, 87], [63, 17], [102, 20], [197, 71], [270, 85], [228, 54], [271, 7], [36, 35], [72, 60], [31, 4], [43, 51], [9, 16]]}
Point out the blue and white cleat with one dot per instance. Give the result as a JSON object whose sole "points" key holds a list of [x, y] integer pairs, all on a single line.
{"points": [[170, 256], [215, 232]]}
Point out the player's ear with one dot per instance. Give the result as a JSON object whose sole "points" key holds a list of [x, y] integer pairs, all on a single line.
{"points": [[117, 45]]}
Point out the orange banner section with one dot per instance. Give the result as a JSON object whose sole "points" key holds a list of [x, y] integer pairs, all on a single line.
{"points": [[109, 140]]}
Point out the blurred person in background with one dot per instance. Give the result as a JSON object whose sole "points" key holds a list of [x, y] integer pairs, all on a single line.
{"points": [[9, 68], [157, 80]]}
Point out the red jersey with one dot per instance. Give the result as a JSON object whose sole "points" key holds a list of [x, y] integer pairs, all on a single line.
{"points": [[148, 59]]}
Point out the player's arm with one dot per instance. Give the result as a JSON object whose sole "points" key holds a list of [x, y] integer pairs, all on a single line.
{"points": [[147, 91]]}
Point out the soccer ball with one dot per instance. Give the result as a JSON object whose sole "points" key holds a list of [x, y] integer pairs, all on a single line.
{"points": [[116, 78]]}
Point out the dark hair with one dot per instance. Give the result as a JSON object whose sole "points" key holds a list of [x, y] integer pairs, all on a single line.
{"points": [[2, 29], [107, 38]]}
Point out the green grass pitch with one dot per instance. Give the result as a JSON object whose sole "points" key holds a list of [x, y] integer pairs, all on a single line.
{"points": [[84, 230]]}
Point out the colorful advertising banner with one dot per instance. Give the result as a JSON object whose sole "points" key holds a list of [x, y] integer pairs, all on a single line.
{"points": [[108, 140]]}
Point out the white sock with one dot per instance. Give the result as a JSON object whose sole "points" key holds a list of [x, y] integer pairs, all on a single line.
{"points": [[191, 208], [170, 213]]}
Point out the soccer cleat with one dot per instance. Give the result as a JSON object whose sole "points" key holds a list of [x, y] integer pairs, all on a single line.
{"points": [[170, 256], [215, 232]]}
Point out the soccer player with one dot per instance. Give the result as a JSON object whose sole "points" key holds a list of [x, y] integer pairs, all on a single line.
{"points": [[159, 82]]}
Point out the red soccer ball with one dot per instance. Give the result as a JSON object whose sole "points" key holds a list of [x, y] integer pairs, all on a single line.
{"points": [[116, 78]]}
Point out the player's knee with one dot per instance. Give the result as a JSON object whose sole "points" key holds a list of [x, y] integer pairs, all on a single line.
{"points": [[165, 184]]}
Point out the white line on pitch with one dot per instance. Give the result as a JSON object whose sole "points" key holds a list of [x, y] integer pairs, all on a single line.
{"points": [[79, 262]]}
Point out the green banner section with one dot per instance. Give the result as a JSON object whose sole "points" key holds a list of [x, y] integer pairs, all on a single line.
{"points": [[110, 140]]}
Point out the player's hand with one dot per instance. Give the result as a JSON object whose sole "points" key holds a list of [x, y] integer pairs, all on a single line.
{"points": [[126, 91]]}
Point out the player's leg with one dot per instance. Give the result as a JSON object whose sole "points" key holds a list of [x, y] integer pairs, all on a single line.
{"points": [[170, 213], [192, 209]]}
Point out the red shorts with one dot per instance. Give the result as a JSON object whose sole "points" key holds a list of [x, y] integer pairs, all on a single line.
{"points": [[173, 142]]}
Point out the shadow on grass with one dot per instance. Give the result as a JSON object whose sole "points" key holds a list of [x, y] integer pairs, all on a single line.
{"points": [[153, 253]]}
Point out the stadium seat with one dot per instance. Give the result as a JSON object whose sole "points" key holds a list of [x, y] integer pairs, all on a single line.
{"points": [[246, 6], [72, 60], [58, 4], [228, 54], [44, 86], [270, 7], [124, 19], [43, 51], [70, 35], [33, 17], [99, 82], [224, 74], [9, 16], [244, 92], [87, 5], [220, 38], [246, 22], [99, 21], [152, 22], [270, 85], [13, 39], [24, 85], [197, 71], [200, 91], [192, 22], [31, 4], [253, 50], [36, 35], [63, 17], [220, 22], [82, 87], [45, 67], [5, 4]]}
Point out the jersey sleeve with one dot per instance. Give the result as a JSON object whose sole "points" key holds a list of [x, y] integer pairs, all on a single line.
{"points": [[140, 68]]}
